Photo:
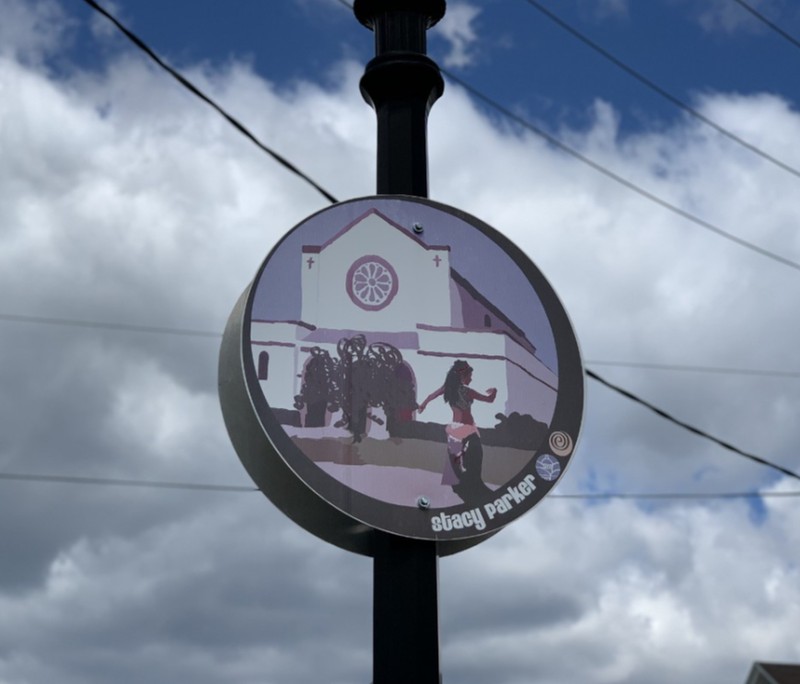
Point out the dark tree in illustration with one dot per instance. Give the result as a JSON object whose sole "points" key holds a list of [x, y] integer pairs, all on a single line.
{"points": [[363, 377], [319, 387]]}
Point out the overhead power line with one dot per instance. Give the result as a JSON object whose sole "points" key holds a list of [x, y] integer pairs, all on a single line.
{"points": [[620, 179], [503, 110], [189, 332], [129, 327], [195, 486], [676, 495], [186, 83], [695, 368], [659, 90], [749, 8], [629, 395], [115, 482], [139, 43], [691, 428]]}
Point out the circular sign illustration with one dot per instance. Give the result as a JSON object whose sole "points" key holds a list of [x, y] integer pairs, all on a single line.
{"points": [[398, 365]]}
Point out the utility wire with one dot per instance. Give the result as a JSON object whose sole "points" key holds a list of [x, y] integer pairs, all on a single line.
{"points": [[129, 327], [112, 482], [591, 374], [691, 428], [183, 81], [188, 332], [553, 140], [619, 179], [156, 484], [658, 89], [138, 42], [695, 369], [676, 495], [749, 8]]}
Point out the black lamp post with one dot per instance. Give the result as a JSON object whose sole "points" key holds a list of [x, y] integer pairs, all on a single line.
{"points": [[402, 83]]}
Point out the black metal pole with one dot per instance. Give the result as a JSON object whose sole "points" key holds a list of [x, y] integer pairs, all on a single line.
{"points": [[402, 83]]}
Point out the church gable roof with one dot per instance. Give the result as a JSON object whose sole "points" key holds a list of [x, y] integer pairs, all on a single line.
{"points": [[316, 249]]}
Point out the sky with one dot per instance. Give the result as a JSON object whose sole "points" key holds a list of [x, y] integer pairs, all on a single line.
{"points": [[132, 216]]}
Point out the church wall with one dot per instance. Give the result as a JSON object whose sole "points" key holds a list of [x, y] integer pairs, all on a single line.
{"points": [[423, 292], [456, 306], [279, 340], [530, 383], [525, 391], [476, 315], [462, 342], [521, 356], [282, 384], [283, 332], [309, 282], [497, 361]]}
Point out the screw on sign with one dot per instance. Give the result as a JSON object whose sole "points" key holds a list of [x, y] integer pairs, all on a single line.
{"points": [[422, 383]]}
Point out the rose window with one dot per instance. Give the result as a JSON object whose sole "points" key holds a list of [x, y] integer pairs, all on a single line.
{"points": [[371, 283]]}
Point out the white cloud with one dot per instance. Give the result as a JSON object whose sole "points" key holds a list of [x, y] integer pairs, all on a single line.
{"points": [[122, 199], [458, 30], [722, 16], [32, 30]]}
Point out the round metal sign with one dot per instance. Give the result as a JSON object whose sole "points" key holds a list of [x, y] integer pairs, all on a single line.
{"points": [[398, 365]]}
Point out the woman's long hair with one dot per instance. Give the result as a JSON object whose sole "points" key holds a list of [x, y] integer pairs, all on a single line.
{"points": [[453, 381]]}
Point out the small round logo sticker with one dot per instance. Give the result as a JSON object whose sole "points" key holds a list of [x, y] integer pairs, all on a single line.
{"points": [[548, 468], [560, 443]]}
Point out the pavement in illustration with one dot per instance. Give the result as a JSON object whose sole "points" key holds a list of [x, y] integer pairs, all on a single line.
{"points": [[400, 471]]}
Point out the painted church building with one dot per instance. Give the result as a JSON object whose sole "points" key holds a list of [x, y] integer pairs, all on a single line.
{"points": [[377, 279]]}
